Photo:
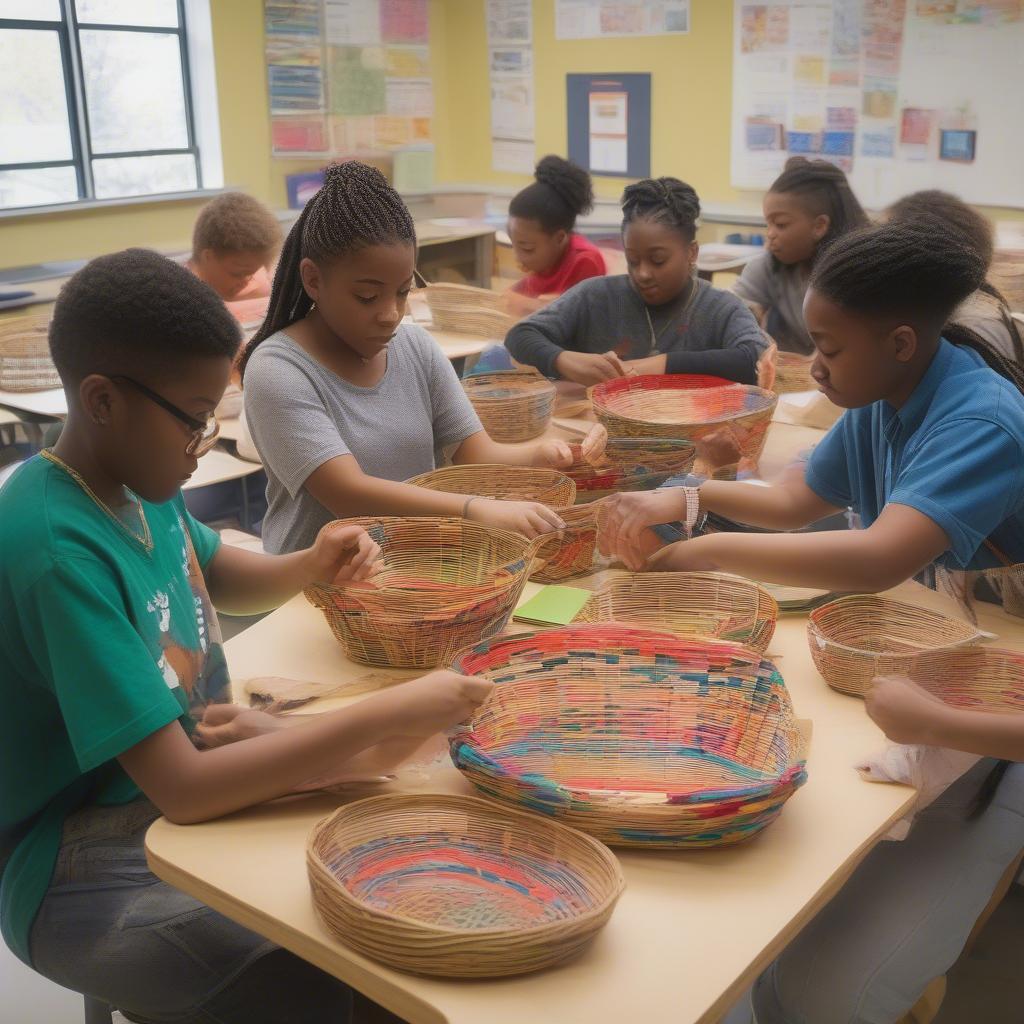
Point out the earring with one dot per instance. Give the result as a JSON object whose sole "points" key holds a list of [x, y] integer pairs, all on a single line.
{"points": [[99, 421]]}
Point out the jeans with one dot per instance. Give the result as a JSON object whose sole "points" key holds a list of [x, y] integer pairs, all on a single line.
{"points": [[110, 929]]}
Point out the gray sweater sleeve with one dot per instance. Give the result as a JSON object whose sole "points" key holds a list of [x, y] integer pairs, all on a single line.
{"points": [[756, 282], [741, 339], [542, 337]]}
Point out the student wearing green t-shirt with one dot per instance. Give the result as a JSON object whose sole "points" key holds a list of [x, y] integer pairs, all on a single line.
{"points": [[111, 667]]}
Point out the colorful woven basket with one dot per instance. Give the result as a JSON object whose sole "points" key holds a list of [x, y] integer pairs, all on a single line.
{"points": [[513, 405], [688, 407], [975, 678], [639, 738], [689, 604], [445, 583], [25, 363], [467, 310], [630, 464], [793, 373], [570, 553], [550, 487], [458, 887], [853, 639]]}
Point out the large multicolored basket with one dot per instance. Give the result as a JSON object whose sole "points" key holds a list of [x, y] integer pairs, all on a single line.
{"points": [[513, 405], [25, 363], [630, 464], [683, 406], [853, 639], [459, 887], [467, 310], [445, 583], [689, 604], [639, 738]]}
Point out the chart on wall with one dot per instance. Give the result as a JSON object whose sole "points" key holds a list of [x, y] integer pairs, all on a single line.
{"points": [[601, 19], [902, 94], [510, 67], [349, 77]]}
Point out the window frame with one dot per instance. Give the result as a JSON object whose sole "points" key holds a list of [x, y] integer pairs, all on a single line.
{"points": [[67, 30]]}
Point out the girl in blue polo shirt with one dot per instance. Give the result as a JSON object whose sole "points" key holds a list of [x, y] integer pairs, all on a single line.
{"points": [[931, 455]]}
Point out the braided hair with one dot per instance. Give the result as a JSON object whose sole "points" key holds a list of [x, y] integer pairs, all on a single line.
{"points": [[824, 189], [355, 208], [666, 201], [919, 270], [561, 192]]}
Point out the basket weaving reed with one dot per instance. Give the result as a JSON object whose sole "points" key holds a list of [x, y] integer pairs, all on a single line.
{"points": [[630, 464], [25, 363], [513, 405], [689, 604], [974, 678], [793, 373], [459, 887], [550, 487], [637, 737], [684, 406], [853, 639], [467, 310], [445, 583]]}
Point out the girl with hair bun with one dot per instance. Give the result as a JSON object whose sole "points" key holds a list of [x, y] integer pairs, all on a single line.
{"points": [[657, 318]]}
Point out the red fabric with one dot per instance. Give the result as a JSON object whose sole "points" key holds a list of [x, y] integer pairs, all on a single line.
{"points": [[582, 259]]}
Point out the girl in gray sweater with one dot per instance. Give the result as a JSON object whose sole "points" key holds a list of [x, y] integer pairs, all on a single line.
{"points": [[658, 318]]}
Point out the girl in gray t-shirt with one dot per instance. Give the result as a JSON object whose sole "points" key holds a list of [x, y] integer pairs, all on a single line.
{"points": [[343, 400]]}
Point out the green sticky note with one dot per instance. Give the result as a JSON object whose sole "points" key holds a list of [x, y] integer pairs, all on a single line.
{"points": [[552, 606]]}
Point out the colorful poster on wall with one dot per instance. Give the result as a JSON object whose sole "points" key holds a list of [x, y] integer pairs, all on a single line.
{"points": [[971, 12], [602, 19], [295, 84], [299, 134], [404, 21], [609, 152], [510, 68]]}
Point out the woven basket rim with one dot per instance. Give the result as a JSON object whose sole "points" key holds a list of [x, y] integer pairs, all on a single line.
{"points": [[540, 385], [555, 477], [531, 822], [603, 408]]}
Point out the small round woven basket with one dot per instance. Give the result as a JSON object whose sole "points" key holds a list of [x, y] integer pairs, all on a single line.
{"points": [[25, 363], [973, 678], [690, 604], [687, 407], [637, 737], [445, 583], [513, 405], [853, 639], [793, 373], [459, 887], [630, 464], [467, 310]]}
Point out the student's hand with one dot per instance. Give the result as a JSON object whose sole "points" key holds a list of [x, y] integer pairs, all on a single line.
{"points": [[904, 711], [344, 554], [228, 723], [435, 702], [559, 455], [529, 518], [623, 532], [718, 451], [588, 368], [650, 364]]}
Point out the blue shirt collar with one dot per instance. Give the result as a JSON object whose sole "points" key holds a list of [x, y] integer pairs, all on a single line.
{"points": [[911, 414]]}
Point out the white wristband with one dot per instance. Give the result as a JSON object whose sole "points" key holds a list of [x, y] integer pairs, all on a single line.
{"points": [[692, 509]]}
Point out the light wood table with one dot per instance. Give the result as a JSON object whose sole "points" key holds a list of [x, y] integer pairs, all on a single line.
{"points": [[50, 403], [692, 929]]}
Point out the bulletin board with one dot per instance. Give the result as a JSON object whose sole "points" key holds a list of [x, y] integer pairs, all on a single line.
{"points": [[902, 94], [609, 122], [348, 76]]}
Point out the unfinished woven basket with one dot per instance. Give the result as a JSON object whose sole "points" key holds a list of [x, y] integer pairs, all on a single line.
{"points": [[570, 553], [25, 363], [467, 310], [975, 678], [793, 373], [513, 405], [445, 583], [630, 464], [684, 406], [550, 487], [853, 639], [639, 738], [689, 604], [459, 887]]}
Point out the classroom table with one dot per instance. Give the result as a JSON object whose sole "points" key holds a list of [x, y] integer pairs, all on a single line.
{"points": [[716, 256], [50, 403]]}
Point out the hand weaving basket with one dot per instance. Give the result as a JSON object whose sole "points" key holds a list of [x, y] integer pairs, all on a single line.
{"points": [[975, 678], [853, 639], [637, 737], [513, 405], [689, 604], [630, 464], [571, 552], [25, 363], [445, 583], [793, 373], [689, 407], [467, 310], [459, 887]]}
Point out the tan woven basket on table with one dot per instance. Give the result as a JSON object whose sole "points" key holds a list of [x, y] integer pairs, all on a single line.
{"points": [[976, 678], [793, 373], [25, 363], [445, 583], [513, 405], [1006, 272], [630, 464], [467, 310], [571, 552], [456, 886], [853, 639], [689, 604]]}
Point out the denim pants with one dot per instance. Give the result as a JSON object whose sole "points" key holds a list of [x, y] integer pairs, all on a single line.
{"points": [[112, 930]]}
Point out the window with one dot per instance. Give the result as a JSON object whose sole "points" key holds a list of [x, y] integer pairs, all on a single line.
{"points": [[95, 101]]}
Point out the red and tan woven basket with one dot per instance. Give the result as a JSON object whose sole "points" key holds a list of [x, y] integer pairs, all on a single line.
{"points": [[853, 639], [513, 405], [25, 363], [630, 464]]}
